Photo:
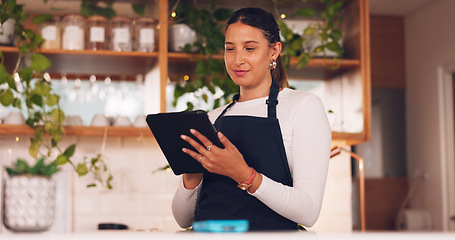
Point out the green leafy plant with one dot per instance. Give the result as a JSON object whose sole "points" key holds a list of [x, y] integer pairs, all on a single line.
{"points": [[208, 22], [89, 8], [27, 87], [325, 32], [40, 169], [105, 8], [209, 71]]}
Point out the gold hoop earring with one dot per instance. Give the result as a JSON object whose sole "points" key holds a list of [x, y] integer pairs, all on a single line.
{"points": [[273, 65]]}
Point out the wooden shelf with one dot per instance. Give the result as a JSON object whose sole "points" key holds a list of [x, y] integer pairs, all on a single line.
{"points": [[87, 62], [7, 129], [86, 52]]}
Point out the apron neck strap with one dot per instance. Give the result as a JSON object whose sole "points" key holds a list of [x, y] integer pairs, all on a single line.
{"points": [[272, 101]]}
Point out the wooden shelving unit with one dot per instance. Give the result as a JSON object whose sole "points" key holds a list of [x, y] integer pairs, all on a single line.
{"points": [[85, 62], [10, 129], [22, 129], [126, 65]]}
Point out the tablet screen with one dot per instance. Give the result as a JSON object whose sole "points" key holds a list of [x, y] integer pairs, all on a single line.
{"points": [[167, 129]]}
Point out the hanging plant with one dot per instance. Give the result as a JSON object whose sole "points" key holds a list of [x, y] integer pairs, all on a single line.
{"points": [[324, 34], [210, 73], [27, 87]]}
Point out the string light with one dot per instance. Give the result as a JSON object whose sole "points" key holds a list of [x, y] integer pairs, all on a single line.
{"points": [[186, 77], [17, 139], [173, 14], [283, 16]]}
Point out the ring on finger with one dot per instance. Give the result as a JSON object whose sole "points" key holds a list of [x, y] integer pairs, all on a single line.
{"points": [[202, 154], [208, 147]]}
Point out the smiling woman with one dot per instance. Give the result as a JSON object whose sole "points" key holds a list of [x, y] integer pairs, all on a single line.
{"points": [[273, 167], [245, 57]]}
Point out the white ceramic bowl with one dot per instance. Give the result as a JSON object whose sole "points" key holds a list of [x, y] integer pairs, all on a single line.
{"points": [[122, 121], [100, 120], [179, 35], [140, 121], [14, 118], [72, 120]]}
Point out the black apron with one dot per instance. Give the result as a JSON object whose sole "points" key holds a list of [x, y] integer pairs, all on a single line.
{"points": [[260, 142]]}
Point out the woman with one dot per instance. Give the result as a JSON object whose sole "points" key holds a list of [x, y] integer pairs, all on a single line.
{"points": [[273, 168]]}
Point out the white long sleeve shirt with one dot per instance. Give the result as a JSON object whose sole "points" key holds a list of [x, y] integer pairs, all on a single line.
{"points": [[307, 138]]}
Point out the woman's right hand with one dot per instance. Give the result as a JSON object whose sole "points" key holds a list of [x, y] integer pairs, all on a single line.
{"points": [[191, 180]]}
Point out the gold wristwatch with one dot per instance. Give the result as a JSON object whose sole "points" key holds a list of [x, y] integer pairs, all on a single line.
{"points": [[247, 184]]}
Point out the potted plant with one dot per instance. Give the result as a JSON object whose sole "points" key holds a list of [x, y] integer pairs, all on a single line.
{"points": [[27, 87]]}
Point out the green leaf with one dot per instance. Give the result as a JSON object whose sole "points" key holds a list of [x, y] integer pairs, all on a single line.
{"points": [[57, 115], [12, 172], [37, 100], [189, 106], [41, 88], [38, 167], [205, 97], [81, 169], [285, 31], [91, 185], [70, 150], [6, 97], [17, 103], [139, 9], [109, 180], [318, 49], [61, 159], [42, 18], [333, 9], [24, 49], [303, 60], [39, 62], [39, 134], [309, 31], [305, 12], [333, 46], [34, 148], [324, 36], [336, 35], [26, 74], [4, 75], [52, 99], [92, 8], [50, 169], [49, 126], [22, 166]]}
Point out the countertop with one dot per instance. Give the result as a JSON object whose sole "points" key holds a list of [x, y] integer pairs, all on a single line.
{"points": [[120, 234]]}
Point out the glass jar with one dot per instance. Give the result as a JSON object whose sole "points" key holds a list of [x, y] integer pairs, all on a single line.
{"points": [[73, 36], [121, 31], [96, 33], [50, 31], [145, 32]]}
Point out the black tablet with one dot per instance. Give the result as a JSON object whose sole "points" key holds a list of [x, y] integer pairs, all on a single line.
{"points": [[167, 129]]}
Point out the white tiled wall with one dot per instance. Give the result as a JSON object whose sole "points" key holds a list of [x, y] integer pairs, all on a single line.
{"points": [[141, 198]]}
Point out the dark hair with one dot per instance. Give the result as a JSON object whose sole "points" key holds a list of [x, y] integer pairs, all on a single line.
{"points": [[261, 19]]}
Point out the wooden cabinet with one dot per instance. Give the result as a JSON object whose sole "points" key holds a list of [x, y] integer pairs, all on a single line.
{"points": [[355, 67], [387, 52]]}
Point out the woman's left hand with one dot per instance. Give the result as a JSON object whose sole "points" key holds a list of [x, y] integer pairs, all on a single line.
{"points": [[228, 161]]}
